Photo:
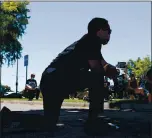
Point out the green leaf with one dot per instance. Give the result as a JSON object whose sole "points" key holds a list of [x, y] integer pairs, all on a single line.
{"points": [[14, 19]]}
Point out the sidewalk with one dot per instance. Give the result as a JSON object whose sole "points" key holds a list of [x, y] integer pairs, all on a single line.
{"points": [[17, 105], [72, 118], [35, 103], [65, 104]]}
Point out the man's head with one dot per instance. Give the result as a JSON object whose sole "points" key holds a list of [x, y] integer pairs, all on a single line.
{"points": [[100, 27], [32, 76]]}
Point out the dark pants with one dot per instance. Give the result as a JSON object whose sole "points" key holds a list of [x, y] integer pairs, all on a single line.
{"points": [[56, 86], [37, 93], [106, 93], [31, 94]]}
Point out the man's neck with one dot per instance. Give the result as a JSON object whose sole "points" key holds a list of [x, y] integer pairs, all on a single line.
{"points": [[94, 37]]}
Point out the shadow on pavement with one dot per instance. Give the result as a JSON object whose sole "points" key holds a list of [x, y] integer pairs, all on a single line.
{"points": [[70, 125]]}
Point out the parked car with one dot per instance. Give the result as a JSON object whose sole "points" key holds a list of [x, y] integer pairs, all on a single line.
{"points": [[12, 94]]}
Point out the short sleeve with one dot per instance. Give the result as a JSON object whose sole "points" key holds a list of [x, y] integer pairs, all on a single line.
{"points": [[93, 52], [93, 55], [88, 49]]}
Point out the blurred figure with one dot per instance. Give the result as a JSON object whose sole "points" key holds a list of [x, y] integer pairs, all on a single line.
{"points": [[148, 84], [31, 87], [125, 86], [37, 93], [132, 86], [106, 87]]}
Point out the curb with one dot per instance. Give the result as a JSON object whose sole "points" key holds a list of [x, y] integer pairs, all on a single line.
{"points": [[66, 104]]}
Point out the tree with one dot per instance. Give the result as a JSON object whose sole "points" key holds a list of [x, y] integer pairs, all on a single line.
{"points": [[139, 66], [14, 19]]}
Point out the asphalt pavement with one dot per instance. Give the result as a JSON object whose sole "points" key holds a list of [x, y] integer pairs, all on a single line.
{"points": [[72, 120]]}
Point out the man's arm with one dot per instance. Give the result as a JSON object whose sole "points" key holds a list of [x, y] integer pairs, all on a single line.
{"points": [[105, 63], [36, 83], [96, 66], [96, 60]]}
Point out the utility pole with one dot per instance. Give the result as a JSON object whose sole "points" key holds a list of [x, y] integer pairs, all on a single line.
{"points": [[26, 64], [17, 77], [26, 72]]}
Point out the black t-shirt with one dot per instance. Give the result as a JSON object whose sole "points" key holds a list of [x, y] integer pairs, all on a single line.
{"points": [[75, 57], [32, 83]]}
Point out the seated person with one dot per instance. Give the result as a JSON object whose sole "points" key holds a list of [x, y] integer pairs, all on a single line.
{"points": [[31, 87], [148, 84], [132, 86]]}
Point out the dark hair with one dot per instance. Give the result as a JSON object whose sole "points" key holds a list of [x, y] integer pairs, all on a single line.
{"points": [[96, 24], [32, 74]]}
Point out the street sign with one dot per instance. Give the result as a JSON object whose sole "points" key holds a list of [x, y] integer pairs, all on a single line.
{"points": [[26, 60]]}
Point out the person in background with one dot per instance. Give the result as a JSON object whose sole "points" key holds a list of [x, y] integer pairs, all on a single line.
{"points": [[148, 84], [106, 87], [133, 85], [31, 87], [37, 92], [125, 86]]}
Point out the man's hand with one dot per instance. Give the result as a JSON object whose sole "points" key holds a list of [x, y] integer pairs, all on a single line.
{"points": [[111, 71]]}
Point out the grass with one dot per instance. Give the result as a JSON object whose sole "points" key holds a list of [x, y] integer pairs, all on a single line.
{"points": [[13, 99], [121, 100], [25, 99], [74, 100], [116, 103], [126, 101]]}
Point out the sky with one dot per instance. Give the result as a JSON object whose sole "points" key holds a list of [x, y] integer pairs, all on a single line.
{"points": [[55, 25]]}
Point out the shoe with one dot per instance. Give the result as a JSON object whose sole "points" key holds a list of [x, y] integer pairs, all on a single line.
{"points": [[5, 110], [97, 128]]}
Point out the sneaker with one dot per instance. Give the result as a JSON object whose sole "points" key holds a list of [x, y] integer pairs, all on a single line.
{"points": [[5, 110], [97, 128]]}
